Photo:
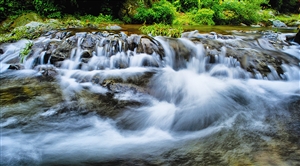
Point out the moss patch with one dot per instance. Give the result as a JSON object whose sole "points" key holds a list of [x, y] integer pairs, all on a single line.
{"points": [[25, 19]]}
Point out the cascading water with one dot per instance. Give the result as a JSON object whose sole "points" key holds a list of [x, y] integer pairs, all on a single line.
{"points": [[135, 108]]}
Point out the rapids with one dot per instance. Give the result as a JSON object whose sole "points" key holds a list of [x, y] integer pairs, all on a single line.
{"points": [[154, 111]]}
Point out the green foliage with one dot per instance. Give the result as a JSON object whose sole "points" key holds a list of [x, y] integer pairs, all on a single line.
{"points": [[286, 6], [127, 19], [13, 7], [234, 12], [205, 12], [160, 12], [289, 19], [176, 4], [97, 19], [195, 17], [184, 19], [203, 17], [69, 20], [162, 30], [188, 5], [94, 21], [25, 51], [228, 12], [18, 33], [266, 16], [47, 8]]}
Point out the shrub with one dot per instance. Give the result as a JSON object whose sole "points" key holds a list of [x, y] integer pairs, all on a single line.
{"points": [[203, 17], [188, 5], [160, 12], [236, 12], [195, 17], [184, 19], [97, 19], [266, 16], [13, 7], [47, 8]]}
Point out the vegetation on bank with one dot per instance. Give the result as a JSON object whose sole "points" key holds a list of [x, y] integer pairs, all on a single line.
{"points": [[162, 14], [31, 25], [153, 11], [162, 30]]}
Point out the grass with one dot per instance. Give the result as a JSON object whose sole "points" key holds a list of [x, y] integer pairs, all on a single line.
{"points": [[162, 30], [25, 51]]}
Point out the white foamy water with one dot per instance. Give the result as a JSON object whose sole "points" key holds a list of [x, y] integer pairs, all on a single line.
{"points": [[176, 106], [182, 105]]}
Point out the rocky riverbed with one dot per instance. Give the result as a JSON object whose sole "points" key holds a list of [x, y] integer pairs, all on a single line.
{"points": [[86, 98]]}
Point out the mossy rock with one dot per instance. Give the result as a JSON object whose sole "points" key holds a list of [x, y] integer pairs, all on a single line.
{"points": [[5, 25], [25, 19], [25, 89]]}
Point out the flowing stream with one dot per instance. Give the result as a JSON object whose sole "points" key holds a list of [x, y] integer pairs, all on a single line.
{"points": [[155, 111]]}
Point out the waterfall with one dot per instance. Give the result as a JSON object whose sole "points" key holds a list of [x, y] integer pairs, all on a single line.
{"points": [[185, 101]]}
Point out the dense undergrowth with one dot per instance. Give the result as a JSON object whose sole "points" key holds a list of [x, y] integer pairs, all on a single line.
{"points": [[204, 12], [166, 16]]}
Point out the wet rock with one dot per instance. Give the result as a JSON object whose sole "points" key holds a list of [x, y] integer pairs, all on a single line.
{"points": [[297, 37], [16, 67], [29, 89], [277, 23], [48, 72], [50, 34], [255, 26], [256, 55], [133, 41], [104, 34], [86, 54], [182, 52], [89, 41], [113, 27], [149, 45], [210, 44], [51, 46], [123, 36], [60, 35], [62, 52], [81, 34], [192, 34]]}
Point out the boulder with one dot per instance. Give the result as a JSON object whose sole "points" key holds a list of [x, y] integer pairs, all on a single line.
{"points": [[278, 24], [149, 45]]}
